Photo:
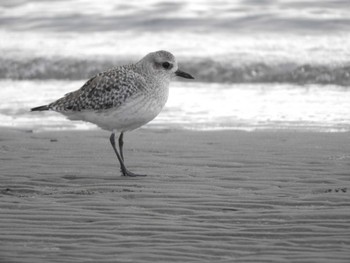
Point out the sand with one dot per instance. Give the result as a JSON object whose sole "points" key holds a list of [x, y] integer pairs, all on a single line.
{"points": [[220, 196]]}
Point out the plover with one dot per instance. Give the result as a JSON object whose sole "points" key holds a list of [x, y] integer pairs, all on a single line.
{"points": [[123, 98]]}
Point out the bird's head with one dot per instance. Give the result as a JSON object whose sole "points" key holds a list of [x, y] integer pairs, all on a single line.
{"points": [[162, 63]]}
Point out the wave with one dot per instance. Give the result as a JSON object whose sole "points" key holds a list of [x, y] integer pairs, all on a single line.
{"points": [[261, 72], [163, 16], [204, 70]]}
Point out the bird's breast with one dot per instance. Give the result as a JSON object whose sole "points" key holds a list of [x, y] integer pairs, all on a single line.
{"points": [[135, 111]]}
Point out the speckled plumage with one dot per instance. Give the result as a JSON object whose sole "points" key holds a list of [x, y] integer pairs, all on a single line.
{"points": [[106, 90], [122, 98]]}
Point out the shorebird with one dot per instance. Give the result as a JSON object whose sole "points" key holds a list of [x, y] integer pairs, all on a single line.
{"points": [[123, 98]]}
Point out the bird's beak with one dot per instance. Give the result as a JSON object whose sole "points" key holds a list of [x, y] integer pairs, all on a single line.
{"points": [[183, 74]]}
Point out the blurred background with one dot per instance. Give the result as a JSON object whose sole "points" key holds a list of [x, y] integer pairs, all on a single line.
{"points": [[258, 64]]}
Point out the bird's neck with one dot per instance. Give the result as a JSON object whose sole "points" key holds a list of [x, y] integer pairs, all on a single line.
{"points": [[154, 80]]}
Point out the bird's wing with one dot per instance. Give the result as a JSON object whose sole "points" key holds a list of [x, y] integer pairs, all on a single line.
{"points": [[105, 90]]}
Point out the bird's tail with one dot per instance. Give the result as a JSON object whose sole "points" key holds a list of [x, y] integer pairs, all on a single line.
{"points": [[40, 108]]}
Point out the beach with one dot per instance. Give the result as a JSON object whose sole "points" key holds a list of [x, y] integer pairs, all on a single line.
{"points": [[248, 162], [210, 196]]}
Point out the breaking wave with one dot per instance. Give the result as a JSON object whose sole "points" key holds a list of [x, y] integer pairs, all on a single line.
{"points": [[204, 70]]}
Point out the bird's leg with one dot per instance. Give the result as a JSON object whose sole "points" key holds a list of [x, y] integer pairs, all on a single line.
{"points": [[121, 144], [120, 156], [122, 166]]}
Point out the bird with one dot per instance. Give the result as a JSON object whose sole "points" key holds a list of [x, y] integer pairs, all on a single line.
{"points": [[123, 98]]}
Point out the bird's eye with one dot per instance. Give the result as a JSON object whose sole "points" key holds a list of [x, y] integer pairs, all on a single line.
{"points": [[166, 65]]}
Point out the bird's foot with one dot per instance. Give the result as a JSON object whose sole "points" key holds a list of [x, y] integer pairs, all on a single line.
{"points": [[131, 174]]}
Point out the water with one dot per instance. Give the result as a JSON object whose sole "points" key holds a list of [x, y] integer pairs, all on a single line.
{"points": [[258, 64]]}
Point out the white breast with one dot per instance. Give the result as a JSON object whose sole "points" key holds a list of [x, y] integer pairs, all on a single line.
{"points": [[135, 112]]}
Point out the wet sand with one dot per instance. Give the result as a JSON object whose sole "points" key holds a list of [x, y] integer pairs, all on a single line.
{"points": [[220, 196]]}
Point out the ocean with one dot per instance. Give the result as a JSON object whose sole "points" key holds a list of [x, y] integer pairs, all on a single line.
{"points": [[257, 64]]}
